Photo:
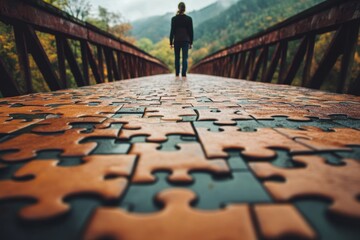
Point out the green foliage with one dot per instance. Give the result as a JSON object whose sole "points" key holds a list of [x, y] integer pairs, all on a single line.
{"points": [[244, 19], [112, 22], [163, 51], [106, 20], [218, 25], [145, 44], [157, 27]]}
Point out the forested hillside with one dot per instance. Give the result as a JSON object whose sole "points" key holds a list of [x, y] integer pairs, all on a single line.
{"points": [[245, 18], [242, 19], [157, 27]]}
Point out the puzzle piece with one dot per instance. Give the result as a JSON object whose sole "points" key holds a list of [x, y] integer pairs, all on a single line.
{"points": [[62, 124], [52, 183], [6, 111], [293, 113], [28, 144], [223, 115], [317, 139], [123, 120], [77, 110], [155, 130], [350, 110], [29, 100], [341, 184], [176, 221], [254, 144], [189, 158], [282, 222], [9, 125], [141, 104], [213, 104], [169, 113]]}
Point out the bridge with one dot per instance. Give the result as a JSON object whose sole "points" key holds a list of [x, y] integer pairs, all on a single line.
{"points": [[248, 147]]}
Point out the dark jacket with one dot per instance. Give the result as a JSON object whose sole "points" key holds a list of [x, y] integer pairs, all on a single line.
{"points": [[181, 29]]}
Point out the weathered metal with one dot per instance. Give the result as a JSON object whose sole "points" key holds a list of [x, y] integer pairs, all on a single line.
{"points": [[35, 15], [342, 16], [8, 86]]}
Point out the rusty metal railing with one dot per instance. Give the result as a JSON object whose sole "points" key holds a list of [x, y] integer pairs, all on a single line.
{"points": [[122, 59], [246, 59]]}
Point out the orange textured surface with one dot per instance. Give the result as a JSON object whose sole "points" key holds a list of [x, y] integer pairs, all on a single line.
{"points": [[155, 158], [189, 158], [282, 221], [255, 144], [50, 192], [340, 184], [176, 221]]}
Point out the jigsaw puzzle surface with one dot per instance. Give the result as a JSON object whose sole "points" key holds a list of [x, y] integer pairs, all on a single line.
{"points": [[159, 158]]}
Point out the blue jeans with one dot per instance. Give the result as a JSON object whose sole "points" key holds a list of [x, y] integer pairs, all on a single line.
{"points": [[184, 46]]}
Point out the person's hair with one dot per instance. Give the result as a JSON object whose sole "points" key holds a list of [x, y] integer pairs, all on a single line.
{"points": [[181, 8]]}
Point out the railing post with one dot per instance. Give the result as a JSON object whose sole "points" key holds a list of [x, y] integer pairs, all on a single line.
{"points": [[308, 60], [42, 61], [283, 63], [254, 74], [264, 63], [334, 50], [119, 65], [248, 64], [241, 65], [23, 56], [74, 67], [61, 60], [8, 85], [100, 59], [94, 67], [85, 64], [347, 60], [274, 63], [296, 62], [355, 86], [109, 64]]}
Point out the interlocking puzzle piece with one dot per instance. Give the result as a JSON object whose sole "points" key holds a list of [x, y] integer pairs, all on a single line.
{"points": [[282, 222], [9, 125], [77, 110], [177, 221], [52, 183], [293, 113], [318, 139], [190, 157], [154, 129], [223, 115], [28, 144], [350, 110], [62, 124], [6, 111], [141, 104], [169, 113], [254, 144], [43, 100], [341, 184], [123, 120], [213, 104]]}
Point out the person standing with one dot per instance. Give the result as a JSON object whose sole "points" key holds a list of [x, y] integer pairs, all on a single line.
{"points": [[181, 38]]}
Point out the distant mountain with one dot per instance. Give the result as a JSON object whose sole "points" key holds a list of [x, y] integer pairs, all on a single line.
{"points": [[244, 18], [158, 27]]}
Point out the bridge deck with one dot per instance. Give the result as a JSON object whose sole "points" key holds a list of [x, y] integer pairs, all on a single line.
{"points": [[128, 160]]}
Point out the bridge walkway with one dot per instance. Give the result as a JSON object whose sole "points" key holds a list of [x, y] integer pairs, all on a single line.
{"points": [[202, 158]]}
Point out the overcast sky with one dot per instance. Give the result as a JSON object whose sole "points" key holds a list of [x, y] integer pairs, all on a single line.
{"points": [[135, 9]]}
